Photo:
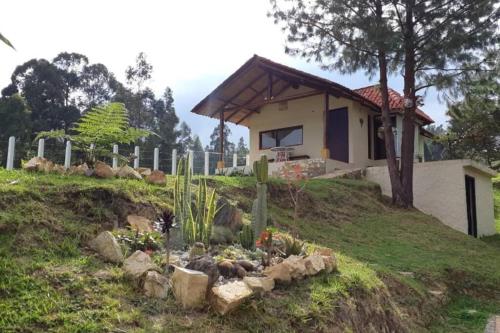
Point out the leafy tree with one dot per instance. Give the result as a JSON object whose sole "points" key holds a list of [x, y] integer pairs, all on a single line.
{"points": [[70, 66], [97, 131], [15, 121], [98, 86], [241, 148], [6, 41], [44, 89], [185, 138], [474, 125], [140, 72], [435, 150], [229, 147], [393, 36], [197, 146]]}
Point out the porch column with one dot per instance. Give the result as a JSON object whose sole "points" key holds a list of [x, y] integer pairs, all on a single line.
{"points": [[325, 152], [220, 163]]}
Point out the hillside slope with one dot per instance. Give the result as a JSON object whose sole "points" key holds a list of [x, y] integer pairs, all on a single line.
{"points": [[399, 270]]}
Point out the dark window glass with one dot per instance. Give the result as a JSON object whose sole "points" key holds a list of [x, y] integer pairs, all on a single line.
{"points": [[284, 137]]}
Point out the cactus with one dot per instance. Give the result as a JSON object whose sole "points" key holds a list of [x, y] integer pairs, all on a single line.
{"points": [[247, 239], [196, 219], [259, 207]]}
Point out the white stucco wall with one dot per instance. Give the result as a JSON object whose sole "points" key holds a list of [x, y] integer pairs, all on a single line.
{"points": [[439, 190], [308, 112]]}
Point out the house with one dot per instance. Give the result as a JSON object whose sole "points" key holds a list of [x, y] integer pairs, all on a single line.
{"points": [[314, 117], [325, 126]]}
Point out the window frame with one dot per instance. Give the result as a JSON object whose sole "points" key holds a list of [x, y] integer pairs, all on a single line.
{"points": [[276, 130]]}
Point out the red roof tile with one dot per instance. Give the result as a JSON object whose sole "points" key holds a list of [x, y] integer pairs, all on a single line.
{"points": [[373, 94]]}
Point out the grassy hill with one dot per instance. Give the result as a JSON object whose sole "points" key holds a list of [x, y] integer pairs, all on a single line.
{"points": [[399, 270]]}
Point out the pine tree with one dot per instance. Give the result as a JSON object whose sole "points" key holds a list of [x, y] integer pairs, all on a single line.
{"points": [[431, 43], [185, 138], [242, 149], [229, 147]]}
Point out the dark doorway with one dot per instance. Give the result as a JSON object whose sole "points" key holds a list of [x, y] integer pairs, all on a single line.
{"points": [[337, 123], [379, 146], [470, 196]]}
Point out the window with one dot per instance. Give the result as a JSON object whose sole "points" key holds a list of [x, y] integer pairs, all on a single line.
{"points": [[283, 137]]}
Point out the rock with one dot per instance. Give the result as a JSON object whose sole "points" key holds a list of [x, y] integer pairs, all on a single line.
{"points": [[207, 265], [297, 266], [38, 164], [330, 263], [247, 265], [228, 216], [139, 223], [138, 264], [128, 172], [228, 297], [314, 264], [189, 287], [155, 285], [143, 171], [103, 274], [174, 260], [259, 284], [102, 170], [324, 251], [197, 250], [226, 269], [106, 245], [280, 273], [57, 168], [239, 270], [156, 177], [78, 169]]}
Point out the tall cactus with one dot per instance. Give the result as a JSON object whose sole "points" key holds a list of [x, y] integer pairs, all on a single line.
{"points": [[259, 207], [247, 239]]}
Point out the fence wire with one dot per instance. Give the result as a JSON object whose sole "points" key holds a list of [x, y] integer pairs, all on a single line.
{"points": [[55, 151]]}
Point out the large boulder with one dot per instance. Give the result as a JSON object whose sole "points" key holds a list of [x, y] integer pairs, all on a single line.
{"points": [[207, 265], [228, 216], [144, 171], [228, 297], [38, 164], [102, 170], [80, 170], [280, 273], [189, 287], [106, 245], [314, 264], [330, 263], [128, 172], [155, 285], [137, 264], [259, 284], [297, 266], [156, 177], [139, 223]]}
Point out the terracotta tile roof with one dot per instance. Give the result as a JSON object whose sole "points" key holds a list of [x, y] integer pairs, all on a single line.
{"points": [[372, 93]]}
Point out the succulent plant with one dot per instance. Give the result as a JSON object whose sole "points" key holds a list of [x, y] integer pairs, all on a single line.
{"points": [[247, 239], [259, 207]]}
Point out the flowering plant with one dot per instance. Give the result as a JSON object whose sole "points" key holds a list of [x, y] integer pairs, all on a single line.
{"points": [[265, 241]]}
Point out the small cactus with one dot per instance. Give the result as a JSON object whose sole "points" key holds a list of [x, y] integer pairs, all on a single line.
{"points": [[247, 239]]}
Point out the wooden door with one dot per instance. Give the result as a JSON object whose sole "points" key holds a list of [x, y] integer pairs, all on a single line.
{"points": [[338, 134], [470, 196]]}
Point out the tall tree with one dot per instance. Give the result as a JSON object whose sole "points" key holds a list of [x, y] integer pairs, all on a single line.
{"points": [[197, 146], [185, 138], [229, 147], [98, 86], [393, 36], [70, 66], [16, 118], [241, 148]]}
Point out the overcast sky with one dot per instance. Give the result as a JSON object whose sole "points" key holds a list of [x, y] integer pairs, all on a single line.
{"points": [[193, 45]]}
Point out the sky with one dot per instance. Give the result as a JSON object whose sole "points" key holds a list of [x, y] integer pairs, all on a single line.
{"points": [[193, 45]]}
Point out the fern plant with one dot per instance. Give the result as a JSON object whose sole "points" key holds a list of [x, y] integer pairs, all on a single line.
{"points": [[98, 130]]}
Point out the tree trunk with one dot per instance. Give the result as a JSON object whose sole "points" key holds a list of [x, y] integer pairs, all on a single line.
{"points": [[408, 135], [396, 186]]}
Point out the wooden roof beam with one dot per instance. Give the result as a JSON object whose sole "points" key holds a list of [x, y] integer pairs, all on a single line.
{"points": [[249, 84]]}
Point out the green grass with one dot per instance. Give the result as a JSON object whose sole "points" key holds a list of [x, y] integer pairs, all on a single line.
{"points": [[47, 280]]}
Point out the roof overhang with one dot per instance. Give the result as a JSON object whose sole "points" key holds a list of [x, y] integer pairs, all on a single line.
{"points": [[261, 81]]}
